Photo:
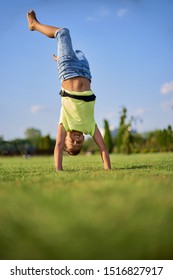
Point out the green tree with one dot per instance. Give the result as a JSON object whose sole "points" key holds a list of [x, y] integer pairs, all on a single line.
{"points": [[107, 137], [164, 139], [33, 135], [124, 137], [45, 144]]}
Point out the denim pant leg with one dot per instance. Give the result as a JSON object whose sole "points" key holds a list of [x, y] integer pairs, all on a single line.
{"points": [[64, 46], [69, 65]]}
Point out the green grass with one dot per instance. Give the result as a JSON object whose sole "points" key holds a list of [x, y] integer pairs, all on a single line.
{"points": [[85, 212]]}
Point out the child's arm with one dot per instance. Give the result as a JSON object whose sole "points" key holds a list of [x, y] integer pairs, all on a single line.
{"points": [[103, 149], [59, 147]]}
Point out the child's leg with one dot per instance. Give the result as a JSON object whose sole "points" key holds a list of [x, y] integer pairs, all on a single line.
{"points": [[34, 24]]}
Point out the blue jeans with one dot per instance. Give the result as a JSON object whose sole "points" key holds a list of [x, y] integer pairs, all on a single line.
{"points": [[70, 63]]}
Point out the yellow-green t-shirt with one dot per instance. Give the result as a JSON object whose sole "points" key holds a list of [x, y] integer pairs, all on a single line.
{"points": [[77, 114]]}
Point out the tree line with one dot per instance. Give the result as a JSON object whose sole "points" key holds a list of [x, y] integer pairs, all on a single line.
{"points": [[33, 144], [126, 141]]}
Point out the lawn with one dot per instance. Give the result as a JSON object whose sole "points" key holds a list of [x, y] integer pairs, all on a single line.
{"points": [[86, 212]]}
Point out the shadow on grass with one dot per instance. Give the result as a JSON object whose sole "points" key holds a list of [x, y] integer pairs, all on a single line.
{"points": [[132, 167], [87, 169]]}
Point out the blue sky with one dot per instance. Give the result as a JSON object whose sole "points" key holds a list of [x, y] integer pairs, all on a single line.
{"points": [[128, 43]]}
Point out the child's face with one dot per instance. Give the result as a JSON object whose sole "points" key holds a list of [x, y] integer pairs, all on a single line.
{"points": [[74, 141]]}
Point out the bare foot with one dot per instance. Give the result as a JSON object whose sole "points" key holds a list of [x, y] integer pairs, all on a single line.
{"points": [[32, 20]]}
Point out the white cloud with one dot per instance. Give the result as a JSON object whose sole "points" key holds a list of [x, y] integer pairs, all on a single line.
{"points": [[102, 12], [121, 12], [167, 88], [35, 109]]}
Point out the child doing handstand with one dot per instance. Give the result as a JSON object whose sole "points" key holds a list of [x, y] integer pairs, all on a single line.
{"points": [[78, 100]]}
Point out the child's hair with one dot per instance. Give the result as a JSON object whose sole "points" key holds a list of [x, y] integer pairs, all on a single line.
{"points": [[73, 152]]}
